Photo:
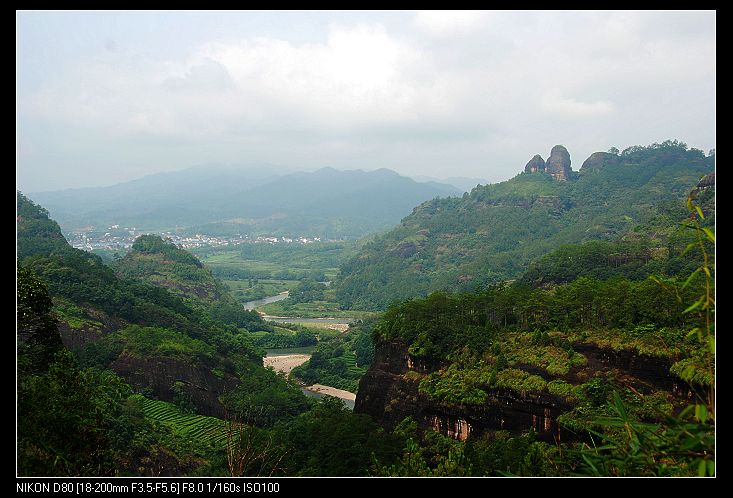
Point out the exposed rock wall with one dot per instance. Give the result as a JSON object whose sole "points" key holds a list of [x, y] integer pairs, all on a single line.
{"points": [[160, 374], [558, 164], [389, 393], [535, 164]]}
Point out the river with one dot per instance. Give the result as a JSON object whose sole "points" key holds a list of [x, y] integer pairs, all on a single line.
{"points": [[250, 305], [284, 361]]}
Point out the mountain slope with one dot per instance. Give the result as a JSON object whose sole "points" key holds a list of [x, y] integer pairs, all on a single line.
{"points": [[160, 263], [146, 334], [327, 203], [492, 234]]}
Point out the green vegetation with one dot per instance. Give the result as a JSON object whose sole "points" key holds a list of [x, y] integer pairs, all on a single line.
{"points": [[628, 285], [203, 430], [340, 361], [255, 271], [330, 440], [493, 233], [286, 336], [161, 263], [621, 426]]}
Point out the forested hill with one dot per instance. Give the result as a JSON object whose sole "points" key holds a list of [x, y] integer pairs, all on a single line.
{"points": [[491, 234], [90, 299], [328, 203], [161, 263]]}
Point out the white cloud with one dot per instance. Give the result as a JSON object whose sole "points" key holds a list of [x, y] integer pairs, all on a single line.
{"points": [[446, 23], [508, 85], [569, 107]]}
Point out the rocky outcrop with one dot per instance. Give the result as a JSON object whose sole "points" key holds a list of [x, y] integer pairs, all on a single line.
{"points": [[598, 161], [535, 164], [706, 181], [389, 392], [558, 164], [161, 374]]}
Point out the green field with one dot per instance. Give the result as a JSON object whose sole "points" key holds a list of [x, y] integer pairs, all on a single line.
{"points": [[252, 289], [195, 427], [315, 309]]}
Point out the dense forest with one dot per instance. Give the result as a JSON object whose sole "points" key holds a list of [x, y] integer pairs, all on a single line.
{"points": [[532, 328], [493, 233]]}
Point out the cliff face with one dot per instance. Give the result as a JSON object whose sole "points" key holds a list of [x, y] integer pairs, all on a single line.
{"points": [[535, 164], [389, 393], [160, 374], [558, 164]]}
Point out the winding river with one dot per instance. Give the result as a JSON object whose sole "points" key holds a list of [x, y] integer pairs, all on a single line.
{"points": [[250, 305]]}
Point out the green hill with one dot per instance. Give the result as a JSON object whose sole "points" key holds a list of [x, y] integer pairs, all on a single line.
{"points": [[493, 233], [180, 349], [162, 264]]}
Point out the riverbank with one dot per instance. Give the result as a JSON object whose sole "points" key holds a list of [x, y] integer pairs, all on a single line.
{"points": [[331, 391], [287, 362]]}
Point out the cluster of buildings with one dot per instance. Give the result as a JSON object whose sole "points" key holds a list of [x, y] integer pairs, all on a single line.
{"points": [[116, 238]]}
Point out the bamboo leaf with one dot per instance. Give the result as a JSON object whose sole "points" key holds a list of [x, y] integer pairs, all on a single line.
{"points": [[709, 233], [689, 246], [699, 212], [701, 468], [694, 305], [701, 413], [689, 279]]}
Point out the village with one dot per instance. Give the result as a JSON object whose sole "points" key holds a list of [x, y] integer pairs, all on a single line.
{"points": [[116, 238]]}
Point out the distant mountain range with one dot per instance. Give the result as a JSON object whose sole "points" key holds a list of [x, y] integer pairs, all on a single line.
{"points": [[463, 183], [328, 203]]}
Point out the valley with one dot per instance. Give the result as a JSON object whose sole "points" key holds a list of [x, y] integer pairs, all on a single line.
{"points": [[437, 348]]}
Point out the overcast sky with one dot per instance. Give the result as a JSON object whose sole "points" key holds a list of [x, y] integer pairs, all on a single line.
{"points": [[109, 97]]}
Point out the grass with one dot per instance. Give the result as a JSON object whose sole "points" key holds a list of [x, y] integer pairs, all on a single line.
{"points": [[316, 309]]}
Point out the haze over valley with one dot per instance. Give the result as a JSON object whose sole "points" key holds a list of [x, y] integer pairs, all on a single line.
{"points": [[360, 244]]}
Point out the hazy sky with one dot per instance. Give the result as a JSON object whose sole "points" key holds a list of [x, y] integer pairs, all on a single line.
{"points": [[107, 97]]}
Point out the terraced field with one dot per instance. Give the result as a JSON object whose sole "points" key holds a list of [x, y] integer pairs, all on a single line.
{"points": [[350, 358], [197, 427]]}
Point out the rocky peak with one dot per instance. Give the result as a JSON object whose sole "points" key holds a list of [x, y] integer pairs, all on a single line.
{"points": [[598, 160], [535, 164], [558, 164]]}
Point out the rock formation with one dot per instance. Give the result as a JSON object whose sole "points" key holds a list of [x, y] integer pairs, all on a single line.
{"points": [[389, 392], [598, 160], [535, 164], [558, 164], [707, 181]]}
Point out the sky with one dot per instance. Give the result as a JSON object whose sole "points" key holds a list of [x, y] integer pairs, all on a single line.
{"points": [[107, 97]]}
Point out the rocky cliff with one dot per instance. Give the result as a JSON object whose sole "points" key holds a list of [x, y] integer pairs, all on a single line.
{"points": [[389, 392], [169, 378], [535, 164]]}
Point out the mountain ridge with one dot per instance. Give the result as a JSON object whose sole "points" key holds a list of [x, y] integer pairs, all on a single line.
{"points": [[327, 202], [492, 233]]}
